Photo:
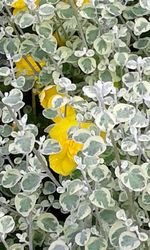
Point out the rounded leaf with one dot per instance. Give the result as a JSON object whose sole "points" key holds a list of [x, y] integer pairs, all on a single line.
{"points": [[87, 64], [83, 211], [75, 186], [101, 198], [46, 9], [49, 45], [50, 146], [25, 203], [115, 231], [58, 245], [98, 173], [124, 112], [11, 178], [94, 146], [69, 202], [96, 243], [14, 96], [7, 224], [24, 144], [134, 179], [81, 135], [4, 71], [128, 241], [102, 47], [30, 182], [105, 121], [26, 20], [82, 237], [48, 222]]}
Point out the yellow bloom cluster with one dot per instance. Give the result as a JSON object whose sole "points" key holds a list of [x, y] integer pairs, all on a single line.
{"points": [[63, 162], [24, 66], [19, 5]]}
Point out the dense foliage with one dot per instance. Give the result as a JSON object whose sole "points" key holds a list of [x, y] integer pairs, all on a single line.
{"points": [[75, 124]]}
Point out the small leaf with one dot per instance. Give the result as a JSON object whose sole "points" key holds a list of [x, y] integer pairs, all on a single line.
{"points": [[46, 9], [105, 121], [114, 233], [30, 182], [87, 64], [101, 46], [49, 113], [124, 112], [128, 241], [75, 186], [83, 211], [49, 45], [26, 20], [48, 222], [7, 224], [101, 198], [81, 135], [134, 179], [11, 178], [44, 30], [4, 71], [88, 11], [25, 203], [58, 245], [98, 173], [69, 202], [14, 97], [50, 146], [24, 144], [121, 58], [82, 237], [96, 243], [141, 26], [94, 146]]}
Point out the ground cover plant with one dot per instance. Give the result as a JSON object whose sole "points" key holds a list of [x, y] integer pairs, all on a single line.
{"points": [[75, 124]]}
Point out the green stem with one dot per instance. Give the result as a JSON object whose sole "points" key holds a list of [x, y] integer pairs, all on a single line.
{"points": [[30, 232], [61, 25], [75, 10], [115, 149], [4, 242], [34, 104]]}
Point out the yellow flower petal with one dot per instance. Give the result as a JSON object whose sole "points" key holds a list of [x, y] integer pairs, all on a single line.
{"points": [[46, 96], [60, 129], [63, 162], [23, 66], [20, 4]]}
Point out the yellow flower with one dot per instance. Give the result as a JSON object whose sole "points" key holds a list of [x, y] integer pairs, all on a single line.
{"points": [[23, 66], [46, 96], [19, 5], [63, 162]]}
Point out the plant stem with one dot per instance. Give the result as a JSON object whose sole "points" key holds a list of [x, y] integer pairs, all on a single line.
{"points": [[75, 10], [4, 242], [30, 232], [61, 25], [38, 155], [34, 104], [115, 149]]}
